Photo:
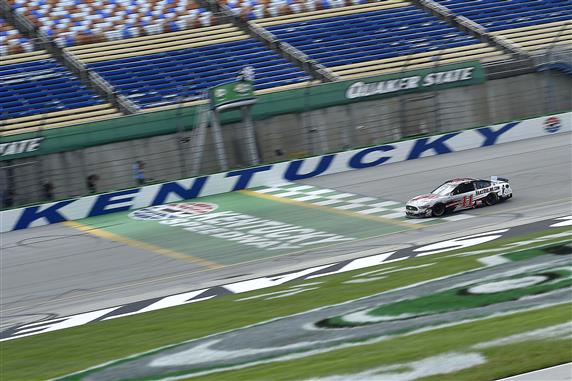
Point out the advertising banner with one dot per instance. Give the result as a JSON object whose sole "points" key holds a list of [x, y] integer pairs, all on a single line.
{"points": [[272, 174], [232, 94]]}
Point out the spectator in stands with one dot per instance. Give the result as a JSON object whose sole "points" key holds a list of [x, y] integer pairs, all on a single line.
{"points": [[91, 183], [48, 189], [139, 172]]}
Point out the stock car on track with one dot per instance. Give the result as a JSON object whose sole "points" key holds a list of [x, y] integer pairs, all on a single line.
{"points": [[459, 194]]}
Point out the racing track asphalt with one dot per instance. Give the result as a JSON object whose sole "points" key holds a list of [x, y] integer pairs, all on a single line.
{"points": [[57, 271]]}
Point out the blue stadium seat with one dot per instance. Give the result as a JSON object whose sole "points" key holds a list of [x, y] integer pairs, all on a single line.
{"points": [[499, 15], [39, 87], [367, 36], [162, 78]]}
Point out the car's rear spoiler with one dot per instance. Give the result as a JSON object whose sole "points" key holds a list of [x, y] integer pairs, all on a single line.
{"points": [[496, 178]]}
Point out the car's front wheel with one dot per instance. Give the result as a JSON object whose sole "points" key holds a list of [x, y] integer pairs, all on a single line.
{"points": [[491, 199], [438, 210]]}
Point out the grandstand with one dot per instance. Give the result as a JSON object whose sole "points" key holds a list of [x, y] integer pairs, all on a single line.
{"points": [[164, 69], [377, 38], [12, 41], [159, 53], [38, 92], [530, 25], [70, 22]]}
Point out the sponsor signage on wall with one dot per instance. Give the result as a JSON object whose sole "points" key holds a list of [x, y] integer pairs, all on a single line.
{"points": [[11, 149], [233, 94], [273, 174], [415, 81], [438, 77]]}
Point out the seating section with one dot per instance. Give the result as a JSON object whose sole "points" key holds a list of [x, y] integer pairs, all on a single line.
{"points": [[536, 38], [255, 9], [376, 38], [72, 22], [172, 67], [161, 53], [11, 41], [528, 24], [39, 93]]}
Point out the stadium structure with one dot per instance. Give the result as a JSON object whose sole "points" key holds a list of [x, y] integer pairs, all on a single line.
{"points": [[240, 145]]}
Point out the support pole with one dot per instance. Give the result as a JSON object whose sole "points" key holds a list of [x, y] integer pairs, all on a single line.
{"points": [[253, 157], [218, 141], [198, 136]]}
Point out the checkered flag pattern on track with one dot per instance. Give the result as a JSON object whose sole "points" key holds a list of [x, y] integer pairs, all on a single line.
{"points": [[352, 202]]}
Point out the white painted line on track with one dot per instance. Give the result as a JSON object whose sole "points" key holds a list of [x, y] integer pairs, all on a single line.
{"points": [[321, 191], [363, 199], [386, 203], [350, 206], [287, 194], [329, 202], [269, 190], [306, 198], [342, 195], [301, 188], [373, 210]]}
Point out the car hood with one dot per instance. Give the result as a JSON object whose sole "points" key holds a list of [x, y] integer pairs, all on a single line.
{"points": [[424, 199]]}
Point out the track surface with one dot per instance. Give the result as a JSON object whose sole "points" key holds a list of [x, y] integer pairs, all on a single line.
{"points": [[56, 270]]}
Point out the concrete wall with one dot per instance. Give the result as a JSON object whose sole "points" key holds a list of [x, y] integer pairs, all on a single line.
{"points": [[295, 135]]}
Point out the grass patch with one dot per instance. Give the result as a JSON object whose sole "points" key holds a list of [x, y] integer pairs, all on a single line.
{"points": [[403, 349], [62, 352]]}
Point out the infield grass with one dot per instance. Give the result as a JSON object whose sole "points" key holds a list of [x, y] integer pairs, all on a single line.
{"points": [[63, 352]]}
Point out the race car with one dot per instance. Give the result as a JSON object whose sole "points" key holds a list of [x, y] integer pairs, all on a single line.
{"points": [[459, 194]]}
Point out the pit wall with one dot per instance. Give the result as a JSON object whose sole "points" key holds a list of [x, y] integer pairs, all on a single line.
{"points": [[75, 209]]}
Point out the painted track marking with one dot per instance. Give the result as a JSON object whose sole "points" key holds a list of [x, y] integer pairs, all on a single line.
{"points": [[329, 210], [141, 245], [376, 207], [187, 273]]}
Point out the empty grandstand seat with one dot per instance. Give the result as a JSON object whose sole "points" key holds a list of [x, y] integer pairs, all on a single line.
{"points": [[37, 92], [530, 25], [376, 38], [165, 69], [80, 22]]}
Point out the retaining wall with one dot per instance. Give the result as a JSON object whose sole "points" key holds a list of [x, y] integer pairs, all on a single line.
{"points": [[271, 174]]}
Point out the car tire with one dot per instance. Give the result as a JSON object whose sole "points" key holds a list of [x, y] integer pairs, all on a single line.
{"points": [[438, 210], [491, 199]]}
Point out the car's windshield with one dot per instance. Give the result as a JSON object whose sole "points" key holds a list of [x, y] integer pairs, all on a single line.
{"points": [[444, 189]]}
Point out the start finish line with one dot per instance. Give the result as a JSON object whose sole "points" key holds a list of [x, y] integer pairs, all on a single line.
{"points": [[264, 175]]}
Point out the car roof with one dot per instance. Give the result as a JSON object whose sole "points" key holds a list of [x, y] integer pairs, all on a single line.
{"points": [[460, 180]]}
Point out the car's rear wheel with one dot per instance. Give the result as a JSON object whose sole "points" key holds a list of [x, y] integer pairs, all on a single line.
{"points": [[438, 210], [491, 199]]}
